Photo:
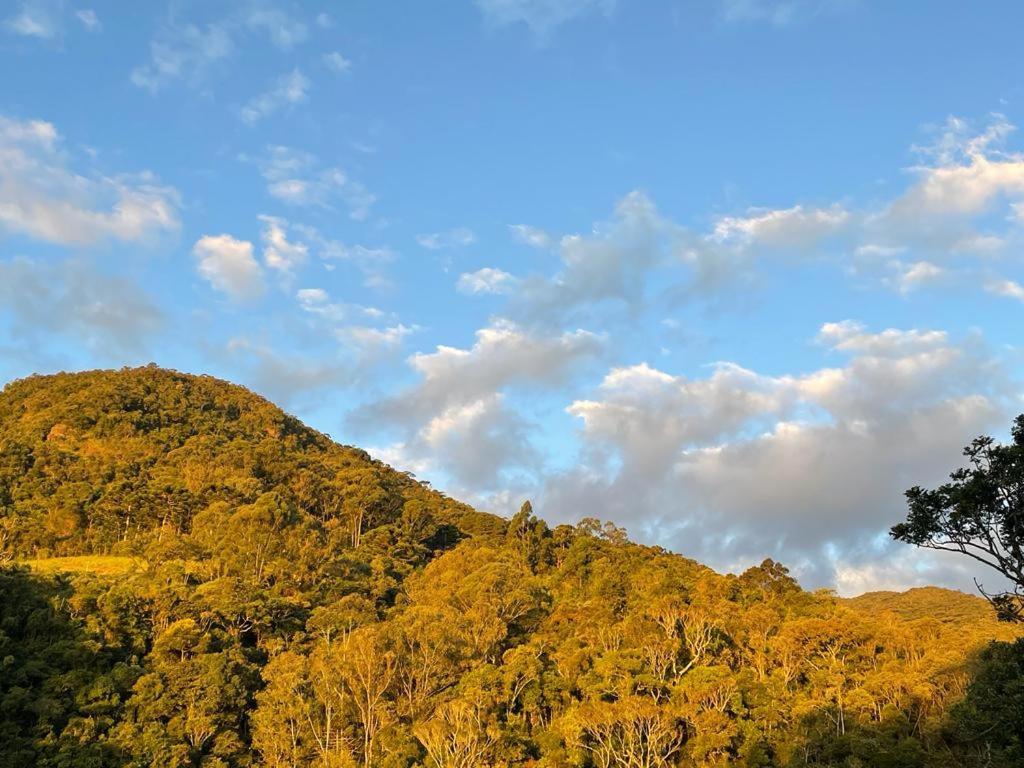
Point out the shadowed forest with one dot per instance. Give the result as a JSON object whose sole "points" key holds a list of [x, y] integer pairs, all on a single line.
{"points": [[193, 578]]}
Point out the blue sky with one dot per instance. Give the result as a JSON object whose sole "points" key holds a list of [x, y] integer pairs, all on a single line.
{"points": [[730, 273]]}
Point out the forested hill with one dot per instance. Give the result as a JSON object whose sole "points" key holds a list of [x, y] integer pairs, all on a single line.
{"points": [[945, 605], [190, 578], [111, 461]]}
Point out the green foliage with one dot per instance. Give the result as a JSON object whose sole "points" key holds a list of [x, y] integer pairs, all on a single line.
{"points": [[990, 719], [979, 513], [213, 584]]}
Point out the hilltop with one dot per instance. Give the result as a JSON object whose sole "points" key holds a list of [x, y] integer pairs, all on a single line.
{"points": [[949, 606]]}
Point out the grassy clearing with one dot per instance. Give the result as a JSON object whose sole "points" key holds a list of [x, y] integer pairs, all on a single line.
{"points": [[101, 565]]}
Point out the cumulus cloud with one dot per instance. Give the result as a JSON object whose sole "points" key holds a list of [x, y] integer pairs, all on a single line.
{"points": [[966, 174], [910, 277], [738, 465], [279, 253], [229, 266], [286, 91], [453, 238], [610, 265], [42, 197], [1009, 289], [961, 206], [541, 16], [111, 315], [796, 227], [640, 256], [457, 412], [296, 178], [486, 280]]}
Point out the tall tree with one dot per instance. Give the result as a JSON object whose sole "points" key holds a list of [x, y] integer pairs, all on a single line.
{"points": [[979, 513]]}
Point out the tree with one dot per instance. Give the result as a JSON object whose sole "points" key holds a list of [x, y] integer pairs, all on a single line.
{"points": [[364, 670], [979, 513], [457, 736]]}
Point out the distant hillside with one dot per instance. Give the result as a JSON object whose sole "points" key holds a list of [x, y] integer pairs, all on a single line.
{"points": [[108, 461], [946, 605]]}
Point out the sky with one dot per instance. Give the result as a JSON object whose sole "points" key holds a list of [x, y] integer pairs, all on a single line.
{"points": [[732, 274]]}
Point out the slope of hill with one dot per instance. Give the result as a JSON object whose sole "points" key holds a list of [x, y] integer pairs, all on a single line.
{"points": [[212, 584]]}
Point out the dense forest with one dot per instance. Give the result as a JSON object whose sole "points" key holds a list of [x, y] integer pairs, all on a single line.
{"points": [[192, 577]]}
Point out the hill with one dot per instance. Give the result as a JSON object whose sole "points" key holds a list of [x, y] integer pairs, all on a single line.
{"points": [[198, 580], [946, 605], [111, 461]]}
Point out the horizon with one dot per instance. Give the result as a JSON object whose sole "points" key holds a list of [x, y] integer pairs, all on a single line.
{"points": [[732, 275]]}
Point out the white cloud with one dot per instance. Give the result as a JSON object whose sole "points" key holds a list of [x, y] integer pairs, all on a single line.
{"points": [[187, 52], [910, 277], [532, 236], [35, 18], [610, 264], [1009, 289], [278, 252], [453, 238], [794, 227], [618, 261], [365, 334], [183, 53], [502, 354], [40, 196], [229, 266], [282, 30], [337, 63], [370, 261], [366, 337], [286, 91], [88, 18], [457, 412], [541, 16], [739, 465], [317, 302], [294, 177], [967, 176], [486, 280], [851, 336], [961, 206]]}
